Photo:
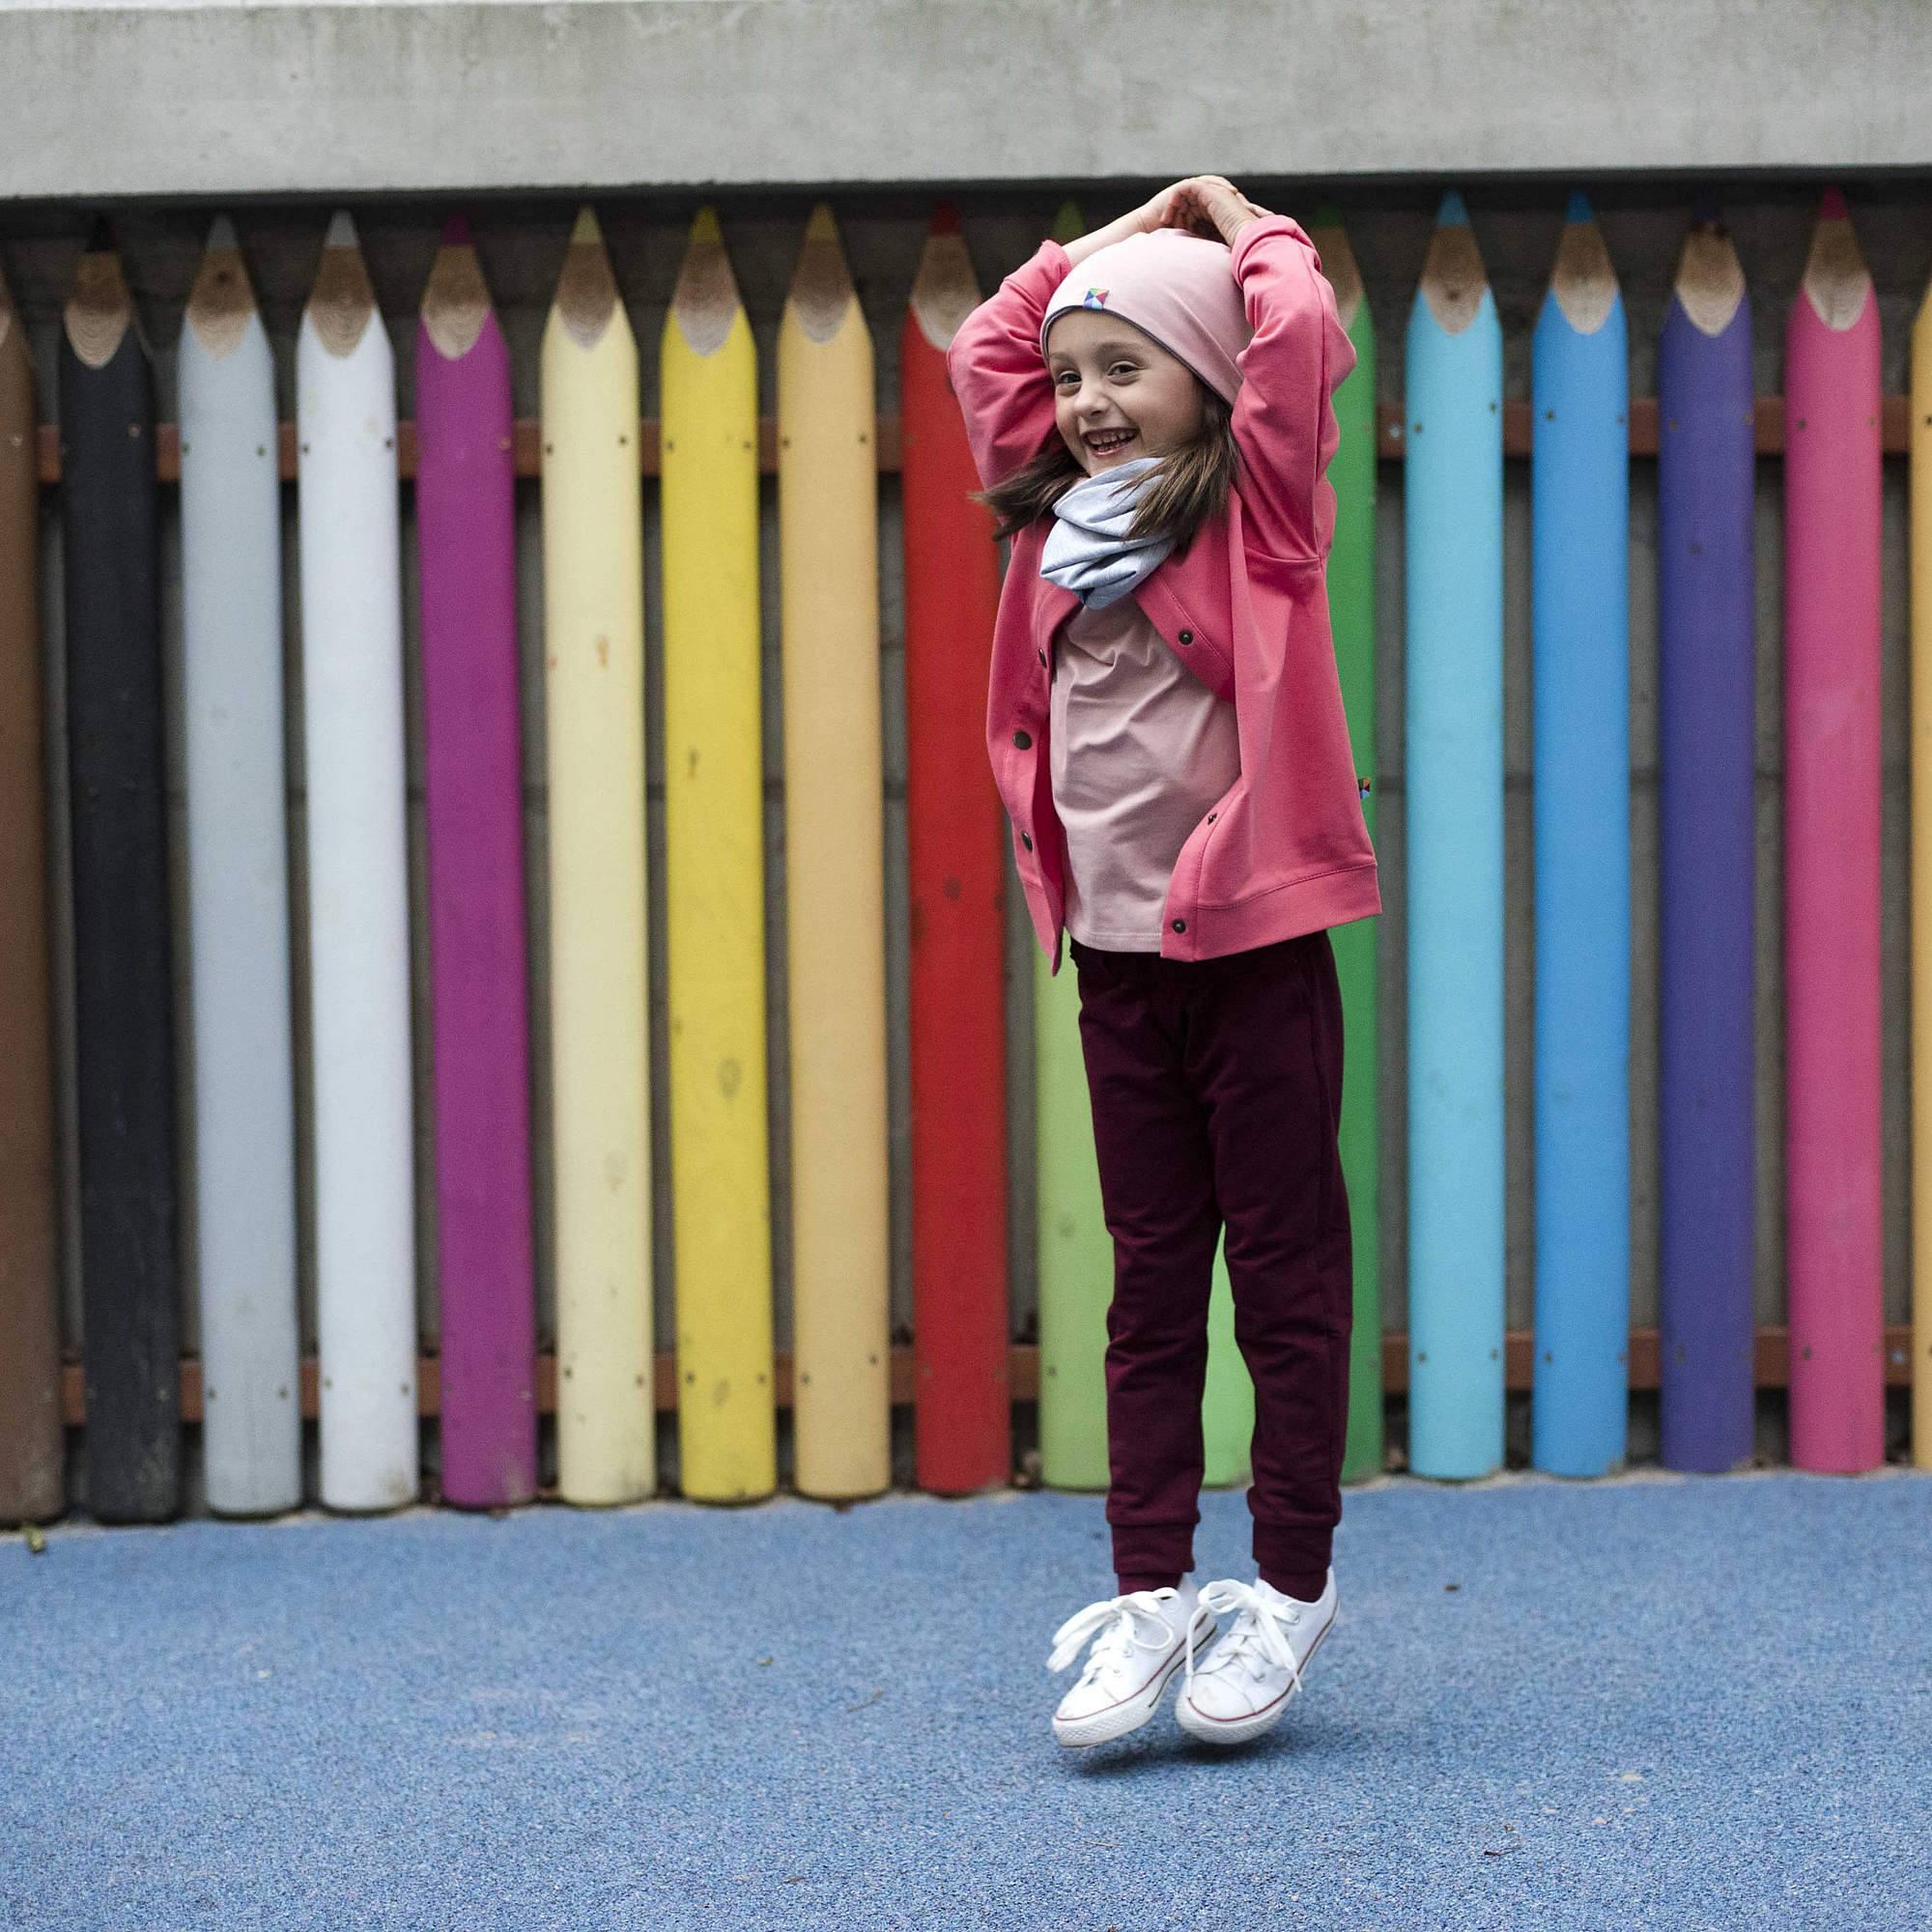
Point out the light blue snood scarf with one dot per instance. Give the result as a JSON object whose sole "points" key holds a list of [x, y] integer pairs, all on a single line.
{"points": [[1087, 550]]}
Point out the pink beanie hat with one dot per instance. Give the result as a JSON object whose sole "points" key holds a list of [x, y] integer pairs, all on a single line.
{"points": [[1178, 288]]}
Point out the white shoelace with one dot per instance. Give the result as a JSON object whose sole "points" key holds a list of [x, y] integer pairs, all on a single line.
{"points": [[1260, 1627], [1114, 1618]]}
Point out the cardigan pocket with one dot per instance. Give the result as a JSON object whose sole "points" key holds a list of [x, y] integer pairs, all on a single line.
{"points": [[1286, 575]]}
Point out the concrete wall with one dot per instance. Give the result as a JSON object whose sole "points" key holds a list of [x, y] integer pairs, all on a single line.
{"points": [[224, 99]]}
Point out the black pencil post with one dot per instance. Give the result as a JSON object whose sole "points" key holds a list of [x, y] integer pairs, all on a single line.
{"points": [[122, 956]]}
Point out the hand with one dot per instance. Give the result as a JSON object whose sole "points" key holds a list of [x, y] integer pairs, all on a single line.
{"points": [[1207, 205]]}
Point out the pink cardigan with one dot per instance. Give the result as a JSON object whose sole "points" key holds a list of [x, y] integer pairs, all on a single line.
{"points": [[1286, 849]]}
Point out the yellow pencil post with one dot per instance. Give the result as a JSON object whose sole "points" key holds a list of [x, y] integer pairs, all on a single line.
{"points": [[835, 880], [594, 708], [714, 859], [1920, 541]]}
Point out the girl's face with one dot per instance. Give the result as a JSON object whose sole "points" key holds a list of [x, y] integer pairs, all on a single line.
{"points": [[1116, 392]]}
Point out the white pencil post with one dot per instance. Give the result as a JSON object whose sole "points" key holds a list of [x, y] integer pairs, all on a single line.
{"points": [[358, 887]]}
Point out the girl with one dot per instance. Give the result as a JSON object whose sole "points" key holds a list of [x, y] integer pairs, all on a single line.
{"points": [[1149, 411]]}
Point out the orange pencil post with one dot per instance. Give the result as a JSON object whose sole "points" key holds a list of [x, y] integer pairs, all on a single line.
{"points": [[835, 878]]}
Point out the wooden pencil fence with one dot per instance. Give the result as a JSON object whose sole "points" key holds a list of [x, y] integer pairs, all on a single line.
{"points": [[827, 443]]}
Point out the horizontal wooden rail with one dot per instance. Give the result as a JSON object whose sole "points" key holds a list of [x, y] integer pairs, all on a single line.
{"points": [[1390, 440], [1772, 1371]]}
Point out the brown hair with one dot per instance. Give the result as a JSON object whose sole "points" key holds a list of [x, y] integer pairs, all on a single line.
{"points": [[1190, 486]]}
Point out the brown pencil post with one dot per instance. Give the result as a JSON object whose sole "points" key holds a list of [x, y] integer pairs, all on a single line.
{"points": [[30, 1486]]}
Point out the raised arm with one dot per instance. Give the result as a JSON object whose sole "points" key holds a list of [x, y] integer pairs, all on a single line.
{"points": [[995, 367], [1284, 422]]}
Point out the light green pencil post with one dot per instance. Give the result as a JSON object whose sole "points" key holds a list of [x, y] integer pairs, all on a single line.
{"points": [[1076, 1253]]}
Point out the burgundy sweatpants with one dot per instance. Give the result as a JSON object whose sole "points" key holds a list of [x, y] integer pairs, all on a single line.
{"points": [[1216, 1086]]}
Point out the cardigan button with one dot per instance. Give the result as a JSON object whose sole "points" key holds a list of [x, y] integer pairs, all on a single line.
{"points": [[1042, 656], [1187, 636], [1022, 740], [1181, 926], [1026, 840]]}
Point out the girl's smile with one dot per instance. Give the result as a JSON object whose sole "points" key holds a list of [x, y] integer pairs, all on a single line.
{"points": [[1116, 393]]}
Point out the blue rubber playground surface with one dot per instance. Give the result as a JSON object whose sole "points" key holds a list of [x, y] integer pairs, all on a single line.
{"points": [[1657, 1701]]}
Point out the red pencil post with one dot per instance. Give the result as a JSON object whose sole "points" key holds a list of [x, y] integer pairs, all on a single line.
{"points": [[957, 854]]}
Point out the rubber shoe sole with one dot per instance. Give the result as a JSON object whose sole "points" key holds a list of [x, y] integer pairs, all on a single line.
{"points": [[1239, 1730], [1102, 1727]]}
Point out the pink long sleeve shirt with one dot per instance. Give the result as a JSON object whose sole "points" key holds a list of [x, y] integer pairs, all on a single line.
{"points": [[1285, 849], [1140, 748]]}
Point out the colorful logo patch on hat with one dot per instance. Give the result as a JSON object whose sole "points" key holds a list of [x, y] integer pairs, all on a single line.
{"points": [[1094, 298]]}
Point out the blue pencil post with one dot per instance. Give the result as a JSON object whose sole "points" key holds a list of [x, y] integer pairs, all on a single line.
{"points": [[1580, 508], [1452, 530]]}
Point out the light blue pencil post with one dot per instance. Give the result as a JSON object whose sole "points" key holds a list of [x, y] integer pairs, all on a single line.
{"points": [[1579, 503], [1453, 525]]}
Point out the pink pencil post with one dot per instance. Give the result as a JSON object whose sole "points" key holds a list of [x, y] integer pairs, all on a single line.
{"points": [[1833, 1142]]}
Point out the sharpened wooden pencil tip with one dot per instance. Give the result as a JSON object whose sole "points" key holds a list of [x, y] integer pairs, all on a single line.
{"points": [[1835, 280], [97, 311], [704, 303], [221, 301], [1709, 283], [944, 292], [455, 301], [1339, 266], [1453, 280], [1584, 281], [821, 291], [342, 301], [456, 232], [586, 292]]}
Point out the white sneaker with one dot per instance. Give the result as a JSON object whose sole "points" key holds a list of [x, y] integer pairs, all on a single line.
{"points": [[1245, 1682], [1140, 1641]]}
